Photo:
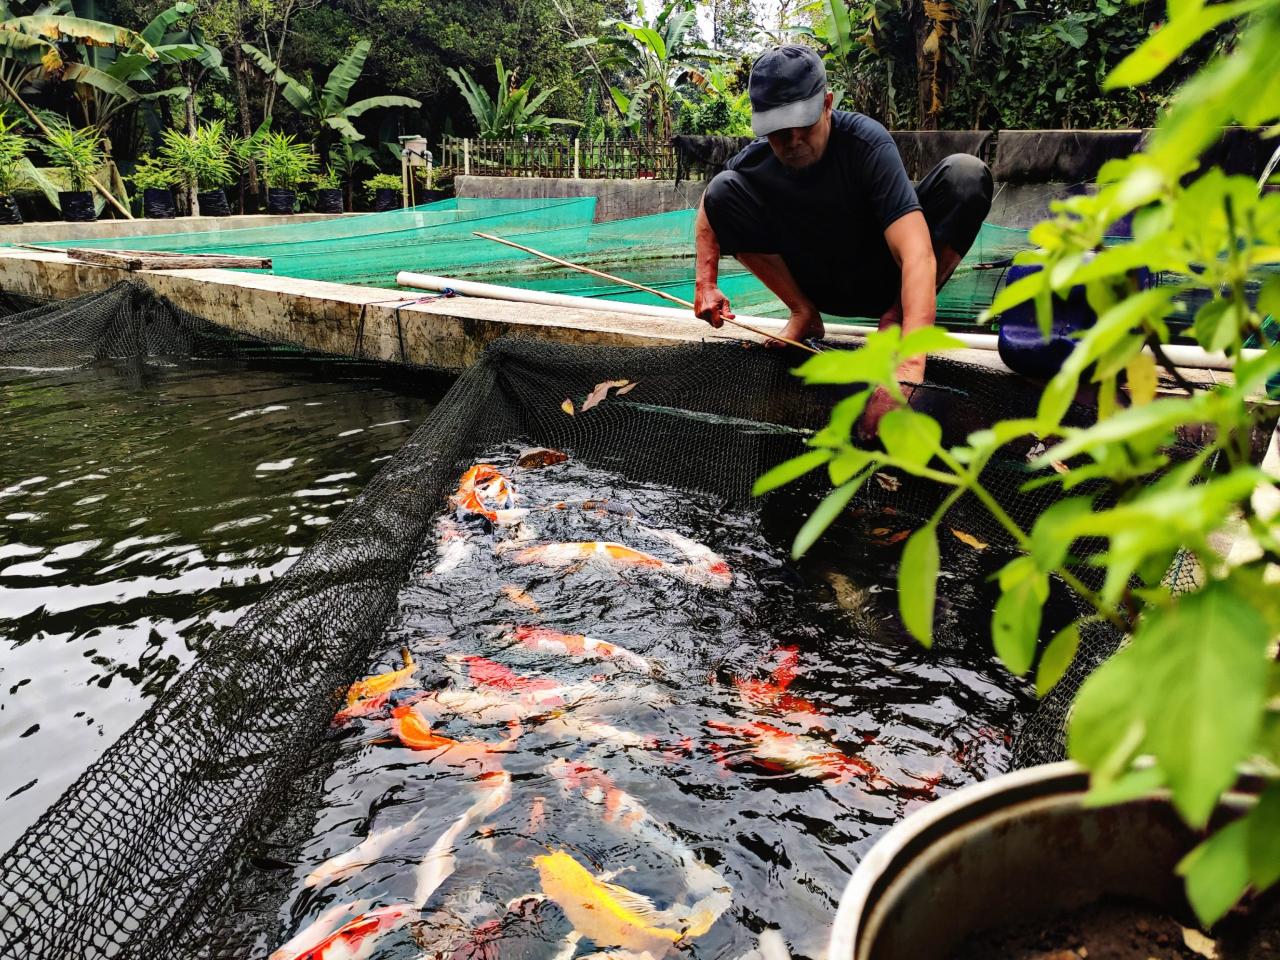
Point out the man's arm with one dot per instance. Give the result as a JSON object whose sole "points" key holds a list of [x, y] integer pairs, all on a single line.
{"points": [[708, 302], [909, 242]]}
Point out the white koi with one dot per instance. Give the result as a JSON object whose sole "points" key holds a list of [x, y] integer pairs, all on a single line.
{"points": [[439, 863]]}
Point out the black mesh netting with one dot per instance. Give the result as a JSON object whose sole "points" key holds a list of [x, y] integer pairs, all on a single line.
{"points": [[137, 857]]}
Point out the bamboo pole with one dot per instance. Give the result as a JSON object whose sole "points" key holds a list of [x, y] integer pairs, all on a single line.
{"points": [[110, 198], [639, 286]]}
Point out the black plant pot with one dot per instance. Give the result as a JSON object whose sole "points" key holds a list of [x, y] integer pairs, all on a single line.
{"points": [[386, 198], [213, 203], [9, 213], [157, 203], [329, 200], [280, 201], [77, 206], [432, 196]]}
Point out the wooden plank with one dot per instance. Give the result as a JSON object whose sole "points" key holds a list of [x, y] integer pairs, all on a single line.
{"points": [[159, 260]]}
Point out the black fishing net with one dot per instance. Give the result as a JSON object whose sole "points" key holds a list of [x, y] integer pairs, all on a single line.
{"points": [[139, 857]]}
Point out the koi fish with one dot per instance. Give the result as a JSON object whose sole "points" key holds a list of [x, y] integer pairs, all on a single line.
{"points": [[772, 694], [415, 733], [365, 853], [383, 682], [439, 863], [577, 646], [624, 811], [454, 547], [318, 929], [595, 731], [376, 707], [489, 673], [611, 915], [605, 551], [704, 566], [485, 492], [354, 940], [777, 750]]}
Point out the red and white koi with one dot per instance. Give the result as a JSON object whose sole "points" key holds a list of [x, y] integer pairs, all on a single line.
{"points": [[773, 695], [777, 751], [354, 940], [704, 566], [416, 733], [454, 547], [577, 646]]}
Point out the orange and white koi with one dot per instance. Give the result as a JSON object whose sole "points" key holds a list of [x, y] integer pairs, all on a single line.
{"points": [[611, 915], [705, 566], [384, 682], [354, 940], [600, 551], [626, 812], [439, 863], [577, 646], [485, 492], [777, 750], [416, 733]]}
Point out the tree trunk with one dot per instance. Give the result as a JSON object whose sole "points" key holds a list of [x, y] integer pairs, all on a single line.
{"points": [[192, 203]]}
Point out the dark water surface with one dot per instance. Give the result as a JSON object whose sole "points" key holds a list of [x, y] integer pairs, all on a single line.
{"points": [[137, 520], [653, 780]]}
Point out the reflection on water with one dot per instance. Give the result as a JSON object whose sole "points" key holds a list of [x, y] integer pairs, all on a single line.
{"points": [[138, 522], [710, 767]]}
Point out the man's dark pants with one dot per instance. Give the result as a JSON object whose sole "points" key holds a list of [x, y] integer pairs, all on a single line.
{"points": [[956, 196]]}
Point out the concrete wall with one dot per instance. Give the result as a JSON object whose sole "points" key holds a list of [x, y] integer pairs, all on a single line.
{"points": [[53, 231]]}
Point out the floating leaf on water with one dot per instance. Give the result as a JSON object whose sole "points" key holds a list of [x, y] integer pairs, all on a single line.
{"points": [[520, 598], [892, 538], [567, 407], [627, 389], [968, 538], [601, 391], [880, 531], [541, 456], [888, 482]]}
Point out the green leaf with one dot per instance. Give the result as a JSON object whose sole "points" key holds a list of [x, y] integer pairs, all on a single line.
{"points": [[1015, 623], [930, 339], [1264, 839], [1106, 725], [376, 103], [843, 416], [1129, 786], [1171, 41], [1217, 872], [823, 517], [153, 33], [1154, 419], [917, 582], [1020, 291], [1204, 667], [1054, 530], [790, 470], [911, 437], [867, 365], [1057, 658], [849, 464], [1269, 299], [343, 77]]}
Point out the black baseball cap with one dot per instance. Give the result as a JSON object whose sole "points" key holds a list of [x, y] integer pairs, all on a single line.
{"points": [[787, 87]]}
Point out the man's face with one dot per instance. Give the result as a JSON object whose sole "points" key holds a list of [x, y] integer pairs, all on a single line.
{"points": [[800, 147]]}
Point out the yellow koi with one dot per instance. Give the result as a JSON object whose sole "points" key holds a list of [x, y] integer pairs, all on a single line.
{"points": [[611, 915], [383, 682]]}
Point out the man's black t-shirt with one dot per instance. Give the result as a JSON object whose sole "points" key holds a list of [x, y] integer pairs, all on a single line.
{"points": [[828, 220]]}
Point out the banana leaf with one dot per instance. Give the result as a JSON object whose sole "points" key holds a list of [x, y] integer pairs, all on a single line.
{"points": [[373, 103], [343, 77]]}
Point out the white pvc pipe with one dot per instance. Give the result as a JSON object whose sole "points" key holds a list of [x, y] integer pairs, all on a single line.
{"points": [[1181, 355]]}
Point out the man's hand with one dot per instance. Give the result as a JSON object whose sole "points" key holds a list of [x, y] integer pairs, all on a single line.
{"points": [[711, 305]]}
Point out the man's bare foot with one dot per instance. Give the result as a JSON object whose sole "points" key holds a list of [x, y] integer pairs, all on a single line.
{"points": [[803, 325]]}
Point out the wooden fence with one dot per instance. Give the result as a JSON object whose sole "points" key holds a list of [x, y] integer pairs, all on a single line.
{"points": [[553, 157]]}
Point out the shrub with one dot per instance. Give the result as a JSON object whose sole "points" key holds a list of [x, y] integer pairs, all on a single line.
{"points": [[382, 181], [285, 163], [78, 151], [13, 148]]}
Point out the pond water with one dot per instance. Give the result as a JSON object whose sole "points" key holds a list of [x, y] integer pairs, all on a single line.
{"points": [[139, 518], [709, 765]]}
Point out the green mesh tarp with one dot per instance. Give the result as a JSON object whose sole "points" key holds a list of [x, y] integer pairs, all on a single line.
{"points": [[439, 239]]}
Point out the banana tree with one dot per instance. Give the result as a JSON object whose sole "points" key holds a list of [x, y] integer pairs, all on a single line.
{"points": [[326, 107], [655, 56], [513, 112]]}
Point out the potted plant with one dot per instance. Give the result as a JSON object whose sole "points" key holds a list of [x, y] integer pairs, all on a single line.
{"points": [[346, 159], [1187, 704], [328, 197], [13, 148], [79, 153], [156, 180], [205, 164], [385, 191], [285, 164]]}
